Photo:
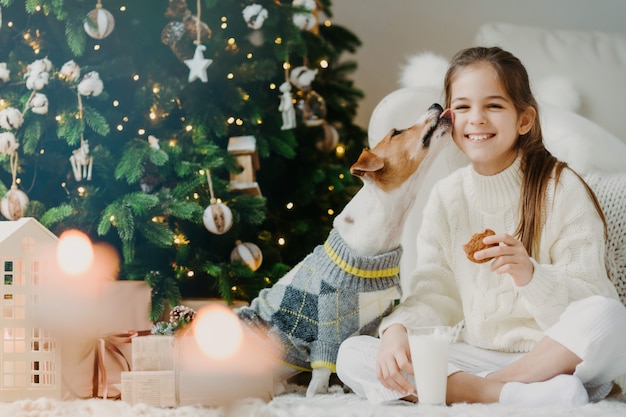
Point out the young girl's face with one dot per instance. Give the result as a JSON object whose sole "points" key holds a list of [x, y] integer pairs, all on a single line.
{"points": [[486, 123]]}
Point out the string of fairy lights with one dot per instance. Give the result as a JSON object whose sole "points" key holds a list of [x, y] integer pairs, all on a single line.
{"points": [[154, 113]]}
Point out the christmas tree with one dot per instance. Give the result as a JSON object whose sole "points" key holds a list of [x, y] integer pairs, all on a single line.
{"points": [[195, 137]]}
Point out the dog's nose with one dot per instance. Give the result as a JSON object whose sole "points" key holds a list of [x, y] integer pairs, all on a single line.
{"points": [[436, 106]]}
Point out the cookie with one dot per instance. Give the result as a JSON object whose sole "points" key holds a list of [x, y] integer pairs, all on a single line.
{"points": [[476, 243]]}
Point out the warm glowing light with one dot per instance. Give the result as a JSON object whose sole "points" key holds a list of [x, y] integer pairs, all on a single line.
{"points": [[231, 41], [122, 8], [196, 196], [74, 252], [289, 206], [116, 103], [81, 190], [230, 120], [246, 97], [249, 55], [341, 176], [286, 65], [42, 151], [156, 90], [230, 76], [340, 151], [224, 25], [239, 122], [217, 331], [278, 41], [120, 128], [141, 132], [331, 212], [152, 116], [328, 23], [136, 77], [190, 274], [331, 188], [272, 86], [125, 118], [323, 63], [224, 19], [96, 47], [281, 241], [188, 128]]}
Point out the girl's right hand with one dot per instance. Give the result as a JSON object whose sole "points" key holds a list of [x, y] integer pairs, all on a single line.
{"points": [[394, 358]]}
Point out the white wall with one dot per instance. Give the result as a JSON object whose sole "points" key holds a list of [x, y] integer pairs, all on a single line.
{"points": [[392, 30]]}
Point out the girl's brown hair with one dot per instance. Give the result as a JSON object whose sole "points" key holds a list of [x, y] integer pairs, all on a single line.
{"points": [[537, 163]]}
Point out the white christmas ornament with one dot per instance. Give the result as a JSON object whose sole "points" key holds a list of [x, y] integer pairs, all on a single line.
{"points": [[70, 71], [248, 253], [286, 106], [37, 74], [154, 142], [82, 162], [198, 65], [302, 77], [39, 103], [217, 218], [91, 84], [5, 73], [11, 118], [8, 143], [99, 22], [305, 21], [254, 15], [13, 204]]}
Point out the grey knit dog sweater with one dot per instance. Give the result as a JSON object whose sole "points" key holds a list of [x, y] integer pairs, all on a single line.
{"points": [[329, 296]]}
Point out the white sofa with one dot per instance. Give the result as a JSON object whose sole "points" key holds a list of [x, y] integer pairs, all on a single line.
{"points": [[580, 81]]}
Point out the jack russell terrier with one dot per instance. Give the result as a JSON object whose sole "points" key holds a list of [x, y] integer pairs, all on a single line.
{"points": [[345, 286]]}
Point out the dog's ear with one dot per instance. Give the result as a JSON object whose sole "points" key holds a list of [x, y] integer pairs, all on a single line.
{"points": [[367, 162]]}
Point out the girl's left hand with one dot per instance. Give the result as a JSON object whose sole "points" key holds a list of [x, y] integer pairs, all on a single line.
{"points": [[510, 256]]}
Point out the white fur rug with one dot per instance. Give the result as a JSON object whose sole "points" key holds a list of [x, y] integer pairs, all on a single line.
{"points": [[294, 403]]}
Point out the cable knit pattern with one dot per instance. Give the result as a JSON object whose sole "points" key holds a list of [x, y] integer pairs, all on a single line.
{"points": [[611, 192], [446, 287]]}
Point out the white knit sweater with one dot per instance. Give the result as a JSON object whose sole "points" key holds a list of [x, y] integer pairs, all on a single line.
{"points": [[446, 287]]}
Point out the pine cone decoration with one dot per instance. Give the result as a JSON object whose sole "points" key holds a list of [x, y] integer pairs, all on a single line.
{"points": [[182, 314]]}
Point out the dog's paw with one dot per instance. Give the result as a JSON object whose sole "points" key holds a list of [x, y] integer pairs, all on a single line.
{"points": [[319, 382]]}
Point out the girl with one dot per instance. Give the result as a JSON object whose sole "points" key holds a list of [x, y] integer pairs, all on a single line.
{"points": [[543, 323]]}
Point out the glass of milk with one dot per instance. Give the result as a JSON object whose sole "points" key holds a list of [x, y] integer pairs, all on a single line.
{"points": [[429, 354]]}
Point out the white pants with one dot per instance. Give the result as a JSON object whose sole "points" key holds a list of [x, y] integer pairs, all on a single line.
{"points": [[593, 328]]}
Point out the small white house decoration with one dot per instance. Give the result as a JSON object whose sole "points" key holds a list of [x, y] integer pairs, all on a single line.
{"points": [[245, 151], [29, 356]]}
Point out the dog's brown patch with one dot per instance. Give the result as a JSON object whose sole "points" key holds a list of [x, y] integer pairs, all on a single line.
{"points": [[399, 154]]}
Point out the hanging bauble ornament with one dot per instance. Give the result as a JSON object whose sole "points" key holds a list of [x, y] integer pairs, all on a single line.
{"points": [[248, 253], [13, 204], [329, 140], [99, 22], [217, 218], [310, 107]]}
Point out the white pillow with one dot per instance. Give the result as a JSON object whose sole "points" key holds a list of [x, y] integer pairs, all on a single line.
{"points": [[584, 145]]}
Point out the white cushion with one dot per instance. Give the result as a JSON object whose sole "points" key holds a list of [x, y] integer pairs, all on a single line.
{"points": [[611, 192], [584, 145], [595, 62]]}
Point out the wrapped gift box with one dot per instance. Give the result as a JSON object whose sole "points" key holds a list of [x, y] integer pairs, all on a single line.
{"points": [[155, 388], [122, 306], [153, 353]]}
